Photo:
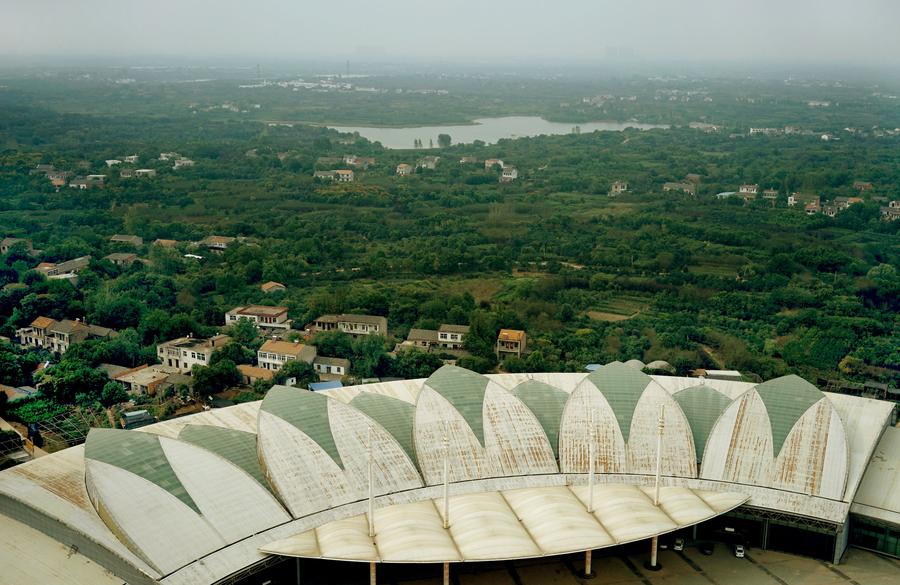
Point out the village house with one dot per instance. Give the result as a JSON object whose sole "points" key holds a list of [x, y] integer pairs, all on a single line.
{"points": [[149, 173], [363, 162], [829, 210], [770, 194], [510, 342], [42, 169], [843, 203], [452, 336], [165, 156], [73, 266], [489, 163], [351, 324], [165, 243], [131, 159], [749, 188], [688, 188], [404, 169], [891, 213], [149, 379], [126, 173], [126, 239], [186, 352], [89, 182], [121, 258], [271, 287], [812, 208], [182, 162], [509, 174], [428, 162], [7, 244], [58, 178], [273, 354], [862, 185], [216, 243], [344, 176], [113, 162], [468, 160], [802, 198], [421, 338], [252, 374], [58, 336], [324, 175], [330, 368], [262, 316], [618, 188]]}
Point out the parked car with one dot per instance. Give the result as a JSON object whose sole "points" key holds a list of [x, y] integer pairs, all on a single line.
{"points": [[739, 551], [679, 544]]}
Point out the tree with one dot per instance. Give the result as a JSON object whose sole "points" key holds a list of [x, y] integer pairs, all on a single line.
{"points": [[112, 393], [73, 378], [215, 378], [444, 140], [302, 371], [242, 331], [233, 352], [412, 363]]}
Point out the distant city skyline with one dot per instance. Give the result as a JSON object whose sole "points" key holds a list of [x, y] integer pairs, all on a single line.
{"points": [[823, 32]]}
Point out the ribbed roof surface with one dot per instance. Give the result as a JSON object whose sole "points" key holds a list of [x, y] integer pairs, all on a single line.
{"points": [[622, 387], [547, 404], [139, 453], [308, 411], [395, 415], [786, 399], [239, 447], [463, 389], [702, 405]]}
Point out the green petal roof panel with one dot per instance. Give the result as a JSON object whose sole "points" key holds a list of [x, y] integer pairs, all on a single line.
{"points": [[463, 389], [395, 415], [702, 405], [622, 387], [786, 399], [547, 404], [238, 447], [308, 411], [139, 453]]}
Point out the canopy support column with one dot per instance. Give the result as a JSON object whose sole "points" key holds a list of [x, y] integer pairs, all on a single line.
{"points": [[446, 573], [588, 569], [654, 542], [372, 580]]}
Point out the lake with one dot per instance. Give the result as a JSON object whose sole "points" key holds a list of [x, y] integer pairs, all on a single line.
{"points": [[489, 130]]}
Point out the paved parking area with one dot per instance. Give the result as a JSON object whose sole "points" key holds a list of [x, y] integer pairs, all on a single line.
{"points": [[689, 567]]}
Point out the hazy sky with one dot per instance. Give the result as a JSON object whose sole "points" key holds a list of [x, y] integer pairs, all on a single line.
{"points": [[821, 31]]}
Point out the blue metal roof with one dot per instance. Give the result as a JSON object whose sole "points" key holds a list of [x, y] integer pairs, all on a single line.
{"points": [[318, 386]]}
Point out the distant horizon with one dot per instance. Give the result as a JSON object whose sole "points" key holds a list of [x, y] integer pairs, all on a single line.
{"points": [[577, 67]]}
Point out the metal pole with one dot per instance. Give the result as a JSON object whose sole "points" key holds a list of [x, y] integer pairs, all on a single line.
{"points": [[587, 565], [298, 570], [446, 573], [660, 426], [591, 447], [371, 495], [446, 493], [372, 573], [654, 548]]}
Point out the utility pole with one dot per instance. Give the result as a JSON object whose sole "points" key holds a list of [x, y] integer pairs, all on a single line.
{"points": [[654, 542]]}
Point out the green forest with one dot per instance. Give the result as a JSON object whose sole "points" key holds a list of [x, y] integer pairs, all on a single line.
{"points": [[697, 280]]}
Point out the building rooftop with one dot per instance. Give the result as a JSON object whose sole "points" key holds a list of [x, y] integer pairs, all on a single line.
{"points": [[511, 335], [293, 348], [189, 498], [259, 310]]}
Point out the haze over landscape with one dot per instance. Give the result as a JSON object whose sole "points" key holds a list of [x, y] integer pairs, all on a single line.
{"points": [[801, 31]]}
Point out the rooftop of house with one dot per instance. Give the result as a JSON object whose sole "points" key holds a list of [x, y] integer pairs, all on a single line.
{"points": [[511, 335], [445, 328], [196, 342], [42, 322], [255, 372], [271, 285], [293, 348], [332, 361], [429, 335], [165, 243], [121, 256], [259, 310], [350, 318], [214, 240]]}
